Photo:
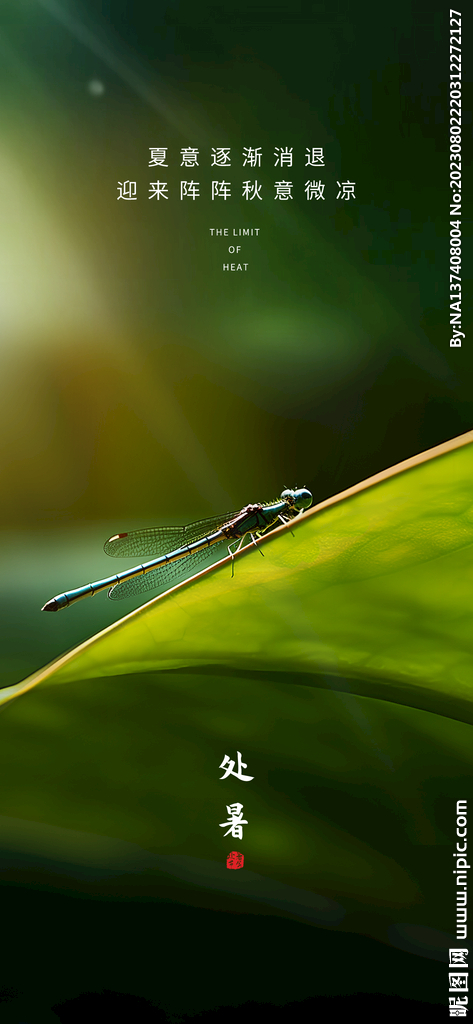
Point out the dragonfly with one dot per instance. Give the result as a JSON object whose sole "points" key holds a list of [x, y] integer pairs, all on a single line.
{"points": [[177, 550]]}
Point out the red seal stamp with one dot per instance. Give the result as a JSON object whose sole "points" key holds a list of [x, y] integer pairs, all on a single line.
{"points": [[235, 860]]}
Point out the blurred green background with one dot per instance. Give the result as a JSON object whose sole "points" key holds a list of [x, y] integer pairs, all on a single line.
{"points": [[140, 384]]}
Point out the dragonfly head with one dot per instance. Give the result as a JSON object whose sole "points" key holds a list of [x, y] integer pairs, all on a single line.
{"points": [[298, 499]]}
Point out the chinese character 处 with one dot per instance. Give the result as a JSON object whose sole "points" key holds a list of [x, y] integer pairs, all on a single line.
{"points": [[231, 764]]}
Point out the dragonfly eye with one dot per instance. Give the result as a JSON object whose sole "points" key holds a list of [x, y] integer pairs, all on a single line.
{"points": [[288, 496], [302, 498]]}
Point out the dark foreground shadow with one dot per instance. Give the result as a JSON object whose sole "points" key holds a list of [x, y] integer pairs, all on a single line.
{"points": [[101, 1007], [117, 1007]]}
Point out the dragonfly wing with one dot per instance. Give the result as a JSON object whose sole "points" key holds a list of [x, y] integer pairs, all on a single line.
{"points": [[204, 527], [161, 540], [153, 542], [163, 576]]}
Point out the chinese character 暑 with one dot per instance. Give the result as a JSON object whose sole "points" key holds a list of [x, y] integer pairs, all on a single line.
{"points": [[249, 187], [347, 190], [189, 157], [235, 820], [235, 859], [220, 158], [220, 189], [314, 190], [283, 156], [190, 189], [252, 156], [158, 156], [160, 189], [238, 773], [127, 189], [458, 982], [315, 158], [458, 957], [283, 190]]}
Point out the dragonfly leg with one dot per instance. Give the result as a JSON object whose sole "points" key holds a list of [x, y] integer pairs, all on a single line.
{"points": [[237, 549], [255, 542], [232, 553], [285, 520]]}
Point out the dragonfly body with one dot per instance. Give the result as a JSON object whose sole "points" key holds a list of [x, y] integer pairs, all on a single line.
{"points": [[252, 520]]}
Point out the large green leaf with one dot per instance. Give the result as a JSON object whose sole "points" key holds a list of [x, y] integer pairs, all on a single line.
{"points": [[374, 584], [340, 665]]}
